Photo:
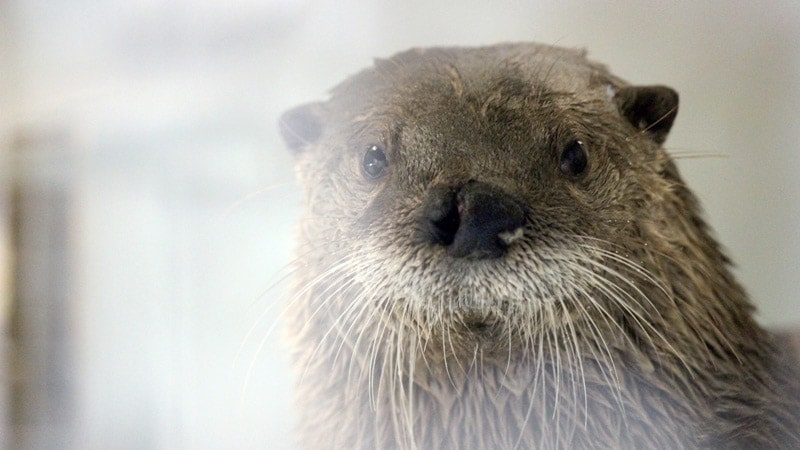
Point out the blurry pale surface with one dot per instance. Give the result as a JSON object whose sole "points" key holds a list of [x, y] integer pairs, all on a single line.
{"points": [[157, 121]]}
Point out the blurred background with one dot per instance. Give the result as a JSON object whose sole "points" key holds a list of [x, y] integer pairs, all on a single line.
{"points": [[147, 202]]}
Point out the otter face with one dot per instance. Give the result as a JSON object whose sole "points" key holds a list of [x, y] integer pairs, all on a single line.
{"points": [[479, 198]]}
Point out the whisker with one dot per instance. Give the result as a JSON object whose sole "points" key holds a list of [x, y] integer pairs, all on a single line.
{"points": [[252, 196]]}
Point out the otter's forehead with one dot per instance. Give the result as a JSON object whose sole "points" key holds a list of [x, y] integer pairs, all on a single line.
{"points": [[419, 78]]}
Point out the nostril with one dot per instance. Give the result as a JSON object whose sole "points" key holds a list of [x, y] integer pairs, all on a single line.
{"points": [[444, 218]]}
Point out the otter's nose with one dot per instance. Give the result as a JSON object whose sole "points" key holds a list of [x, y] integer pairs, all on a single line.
{"points": [[474, 221]]}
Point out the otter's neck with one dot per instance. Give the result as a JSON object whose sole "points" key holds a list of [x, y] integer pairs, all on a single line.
{"points": [[563, 395]]}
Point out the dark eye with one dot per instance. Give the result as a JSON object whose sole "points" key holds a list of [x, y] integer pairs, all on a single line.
{"points": [[374, 162], [574, 159]]}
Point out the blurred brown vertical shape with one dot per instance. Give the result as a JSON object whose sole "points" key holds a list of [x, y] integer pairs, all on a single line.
{"points": [[42, 403], [6, 256], [5, 305]]}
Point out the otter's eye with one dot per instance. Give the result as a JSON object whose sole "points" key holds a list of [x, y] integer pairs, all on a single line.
{"points": [[574, 159], [374, 162]]}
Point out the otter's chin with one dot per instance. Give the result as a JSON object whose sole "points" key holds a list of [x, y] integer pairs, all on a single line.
{"points": [[479, 323]]}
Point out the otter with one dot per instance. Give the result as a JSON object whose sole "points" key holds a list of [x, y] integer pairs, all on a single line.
{"points": [[498, 253]]}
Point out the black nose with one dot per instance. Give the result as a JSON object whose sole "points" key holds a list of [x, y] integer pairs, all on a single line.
{"points": [[474, 221]]}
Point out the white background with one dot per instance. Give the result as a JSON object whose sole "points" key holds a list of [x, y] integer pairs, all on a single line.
{"points": [[147, 131]]}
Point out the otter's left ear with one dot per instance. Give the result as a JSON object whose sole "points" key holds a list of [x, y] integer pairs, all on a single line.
{"points": [[651, 109], [301, 126]]}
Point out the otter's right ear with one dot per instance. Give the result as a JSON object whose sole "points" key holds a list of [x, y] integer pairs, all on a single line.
{"points": [[301, 126], [651, 109]]}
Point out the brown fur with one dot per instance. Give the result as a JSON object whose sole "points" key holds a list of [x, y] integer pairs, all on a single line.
{"points": [[612, 322]]}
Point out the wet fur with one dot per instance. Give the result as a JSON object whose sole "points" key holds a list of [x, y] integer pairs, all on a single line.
{"points": [[613, 321]]}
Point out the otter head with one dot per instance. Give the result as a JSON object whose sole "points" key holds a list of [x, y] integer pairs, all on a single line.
{"points": [[497, 252], [482, 198]]}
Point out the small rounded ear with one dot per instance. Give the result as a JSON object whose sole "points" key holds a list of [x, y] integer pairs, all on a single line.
{"points": [[301, 126], [649, 108]]}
